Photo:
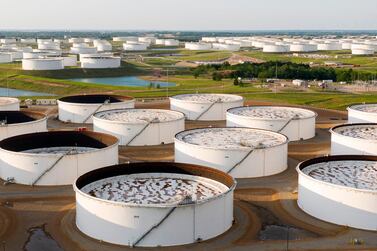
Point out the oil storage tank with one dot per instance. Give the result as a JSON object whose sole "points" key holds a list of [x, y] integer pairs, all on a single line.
{"points": [[296, 123], [80, 108], [340, 189], [354, 139], [56, 157], [240, 152], [191, 203], [100, 62], [205, 106], [139, 127], [14, 123], [42, 64], [362, 113], [9, 104]]}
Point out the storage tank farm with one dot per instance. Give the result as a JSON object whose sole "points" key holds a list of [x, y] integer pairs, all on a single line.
{"points": [[362, 113], [340, 189], [14, 123], [55, 157], [140, 127], [354, 139], [240, 152], [191, 203], [205, 106], [80, 108], [9, 104], [295, 123]]}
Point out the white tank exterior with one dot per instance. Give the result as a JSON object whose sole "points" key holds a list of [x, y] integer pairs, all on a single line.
{"points": [[128, 223], [362, 52], [198, 46], [329, 190], [8, 41], [125, 39], [28, 40], [83, 50], [70, 61], [5, 58], [49, 46], [99, 54], [303, 47], [295, 123], [13, 123], [140, 127], [135, 46], [100, 62], [79, 109], [41, 64], [275, 48], [354, 139], [329, 47], [171, 42], [363, 113], [240, 152], [55, 158], [9, 104], [104, 46], [205, 106], [76, 40], [226, 47]]}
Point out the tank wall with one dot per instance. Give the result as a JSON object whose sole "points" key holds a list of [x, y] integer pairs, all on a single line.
{"points": [[100, 63], [18, 129], [342, 145], [295, 130], [339, 205], [26, 168], [355, 116], [77, 113], [261, 162], [193, 110], [124, 225], [154, 134], [31, 65], [10, 107]]}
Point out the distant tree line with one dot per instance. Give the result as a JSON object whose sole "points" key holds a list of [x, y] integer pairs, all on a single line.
{"points": [[281, 70]]}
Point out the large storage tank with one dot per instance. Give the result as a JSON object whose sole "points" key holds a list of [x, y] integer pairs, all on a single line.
{"points": [[56, 157], [14, 123], [140, 127], [240, 152], [80, 108], [226, 47], [355, 139], [49, 46], [8, 41], [273, 48], [190, 203], [42, 64], [362, 113], [82, 49], [125, 39], [340, 189], [198, 46], [9, 104], [171, 42], [303, 47], [331, 46], [295, 123], [5, 57], [205, 106], [135, 46], [100, 62]]}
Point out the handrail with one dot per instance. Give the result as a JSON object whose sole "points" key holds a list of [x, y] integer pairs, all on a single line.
{"points": [[287, 123], [208, 108], [107, 101], [155, 120], [260, 146]]}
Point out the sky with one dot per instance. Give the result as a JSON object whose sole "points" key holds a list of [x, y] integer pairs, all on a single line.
{"points": [[188, 14]]}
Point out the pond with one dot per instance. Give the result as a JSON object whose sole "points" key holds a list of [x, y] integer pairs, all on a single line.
{"points": [[8, 92], [123, 81]]}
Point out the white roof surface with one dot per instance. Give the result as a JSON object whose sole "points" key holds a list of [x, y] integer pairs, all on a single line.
{"points": [[208, 98], [231, 138], [368, 132], [154, 188], [349, 173], [271, 112], [372, 108], [140, 115]]}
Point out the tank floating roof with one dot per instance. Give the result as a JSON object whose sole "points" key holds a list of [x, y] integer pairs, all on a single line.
{"points": [[95, 99], [15, 117], [358, 131]]}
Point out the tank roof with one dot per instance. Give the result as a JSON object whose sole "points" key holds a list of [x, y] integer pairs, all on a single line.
{"points": [[272, 112], [139, 115]]}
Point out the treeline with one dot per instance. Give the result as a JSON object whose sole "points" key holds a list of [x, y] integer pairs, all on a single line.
{"points": [[281, 70]]}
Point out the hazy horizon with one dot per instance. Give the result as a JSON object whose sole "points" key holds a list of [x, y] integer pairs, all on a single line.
{"points": [[209, 15]]}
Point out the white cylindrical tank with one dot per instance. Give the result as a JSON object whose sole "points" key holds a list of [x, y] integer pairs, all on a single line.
{"points": [[104, 46], [56, 157], [49, 46], [295, 123], [125, 39], [135, 46], [100, 62], [80, 108], [9, 104], [147, 40], [74, 40], [14, 123], [28, 40], [69, 60], [83, 50], [191, 203], [171, 42], [226, 47], [329, 46], [340, 189], [42, 64], [140, 127], [354, 139], [8, 41], [303, 47], [362, 52], [198, 46], [240, 152], [5, 57], [271, 48], [362, 113], [205, 106]]}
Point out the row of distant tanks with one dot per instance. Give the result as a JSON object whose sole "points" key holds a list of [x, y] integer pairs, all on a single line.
{"points": [[157, 198]]}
